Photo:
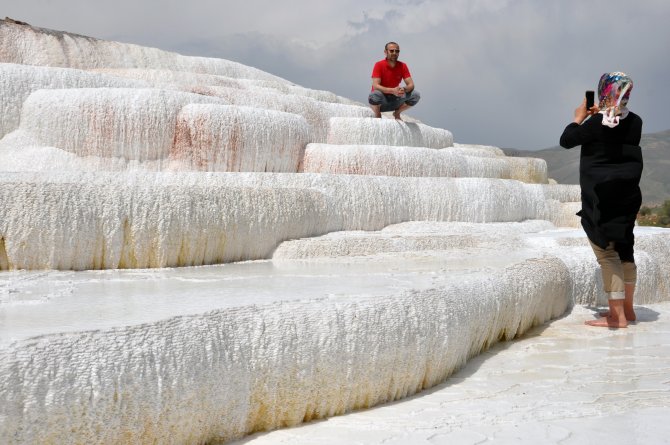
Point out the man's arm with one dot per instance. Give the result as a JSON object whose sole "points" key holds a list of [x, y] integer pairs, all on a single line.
{"points": [[377, 85], [409, 85]]}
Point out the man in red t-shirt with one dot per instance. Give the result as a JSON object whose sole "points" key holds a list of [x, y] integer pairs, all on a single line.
{"points": [[387, 94]]}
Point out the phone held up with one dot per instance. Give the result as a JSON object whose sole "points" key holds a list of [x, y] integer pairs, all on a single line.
{"points": [[589, 99]]}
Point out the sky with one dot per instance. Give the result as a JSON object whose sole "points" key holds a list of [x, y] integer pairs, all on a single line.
{"points": [[507, 73]]}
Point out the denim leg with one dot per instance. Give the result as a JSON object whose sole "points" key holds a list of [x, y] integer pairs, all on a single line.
{"points": [[391, 102]]}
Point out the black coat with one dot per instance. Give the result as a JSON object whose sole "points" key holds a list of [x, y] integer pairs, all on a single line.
{"points": [[610, 167]]}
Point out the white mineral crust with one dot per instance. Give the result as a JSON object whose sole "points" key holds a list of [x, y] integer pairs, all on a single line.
{"points": [[317, 113], [115, 220], [551, 387], [352, 131], [17, 82], [239, 139], [131, 123], [384, 160], [34, 46]]}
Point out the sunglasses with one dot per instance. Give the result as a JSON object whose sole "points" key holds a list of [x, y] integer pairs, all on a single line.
{"points": [[393, 50]]}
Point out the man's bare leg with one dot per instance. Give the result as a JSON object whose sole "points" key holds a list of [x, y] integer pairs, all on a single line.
{"points": [[400, 109], [616, 317], [377, 109], [629, 311]]}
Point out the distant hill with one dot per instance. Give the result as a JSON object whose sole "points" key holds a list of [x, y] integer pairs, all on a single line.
{"points": [[563, 165]]}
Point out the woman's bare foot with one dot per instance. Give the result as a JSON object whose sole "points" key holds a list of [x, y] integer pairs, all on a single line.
{"points": [[607, 322]]}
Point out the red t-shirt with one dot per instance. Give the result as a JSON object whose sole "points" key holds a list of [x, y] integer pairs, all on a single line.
{"points": [[390, 77]]}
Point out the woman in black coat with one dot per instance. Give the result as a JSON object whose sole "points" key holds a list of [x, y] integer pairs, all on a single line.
{"points": [[610, 168]]}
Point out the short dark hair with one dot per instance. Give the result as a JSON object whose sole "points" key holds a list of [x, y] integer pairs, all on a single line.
{"points": [[390, 43]]}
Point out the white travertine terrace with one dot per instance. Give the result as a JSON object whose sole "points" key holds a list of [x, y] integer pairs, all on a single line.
{"points": [[316, 113], [139, 220], [169, 78], [351, 131], [17, 82], [185, 80], [383, 160], [225, 373], [297, 90], [386, 254], [34, 46], [481, 239], [130, 123], [239, 139], [478, 150]]}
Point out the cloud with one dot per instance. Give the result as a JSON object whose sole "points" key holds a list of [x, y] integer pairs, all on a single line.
{"points": [[416, 16]]}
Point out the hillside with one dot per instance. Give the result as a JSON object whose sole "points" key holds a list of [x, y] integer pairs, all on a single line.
{"points": [[563, 165]]}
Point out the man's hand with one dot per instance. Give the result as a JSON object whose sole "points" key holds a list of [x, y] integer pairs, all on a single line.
{"points": [[399, 91]]}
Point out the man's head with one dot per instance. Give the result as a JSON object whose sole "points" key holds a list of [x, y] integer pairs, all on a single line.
{"points": [[392, 51]]}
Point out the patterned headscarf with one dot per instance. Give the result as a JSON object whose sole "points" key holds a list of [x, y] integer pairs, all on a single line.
{"points": [[613, 93]]}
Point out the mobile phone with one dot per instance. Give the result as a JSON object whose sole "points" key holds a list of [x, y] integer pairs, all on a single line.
{"points": [[589, 99]]}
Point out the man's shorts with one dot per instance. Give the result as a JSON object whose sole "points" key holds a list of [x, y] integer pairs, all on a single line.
{"points": [[391, 102]]}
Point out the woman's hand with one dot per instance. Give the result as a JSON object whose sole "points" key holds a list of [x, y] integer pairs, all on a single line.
{"points": [[582, 113]]}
